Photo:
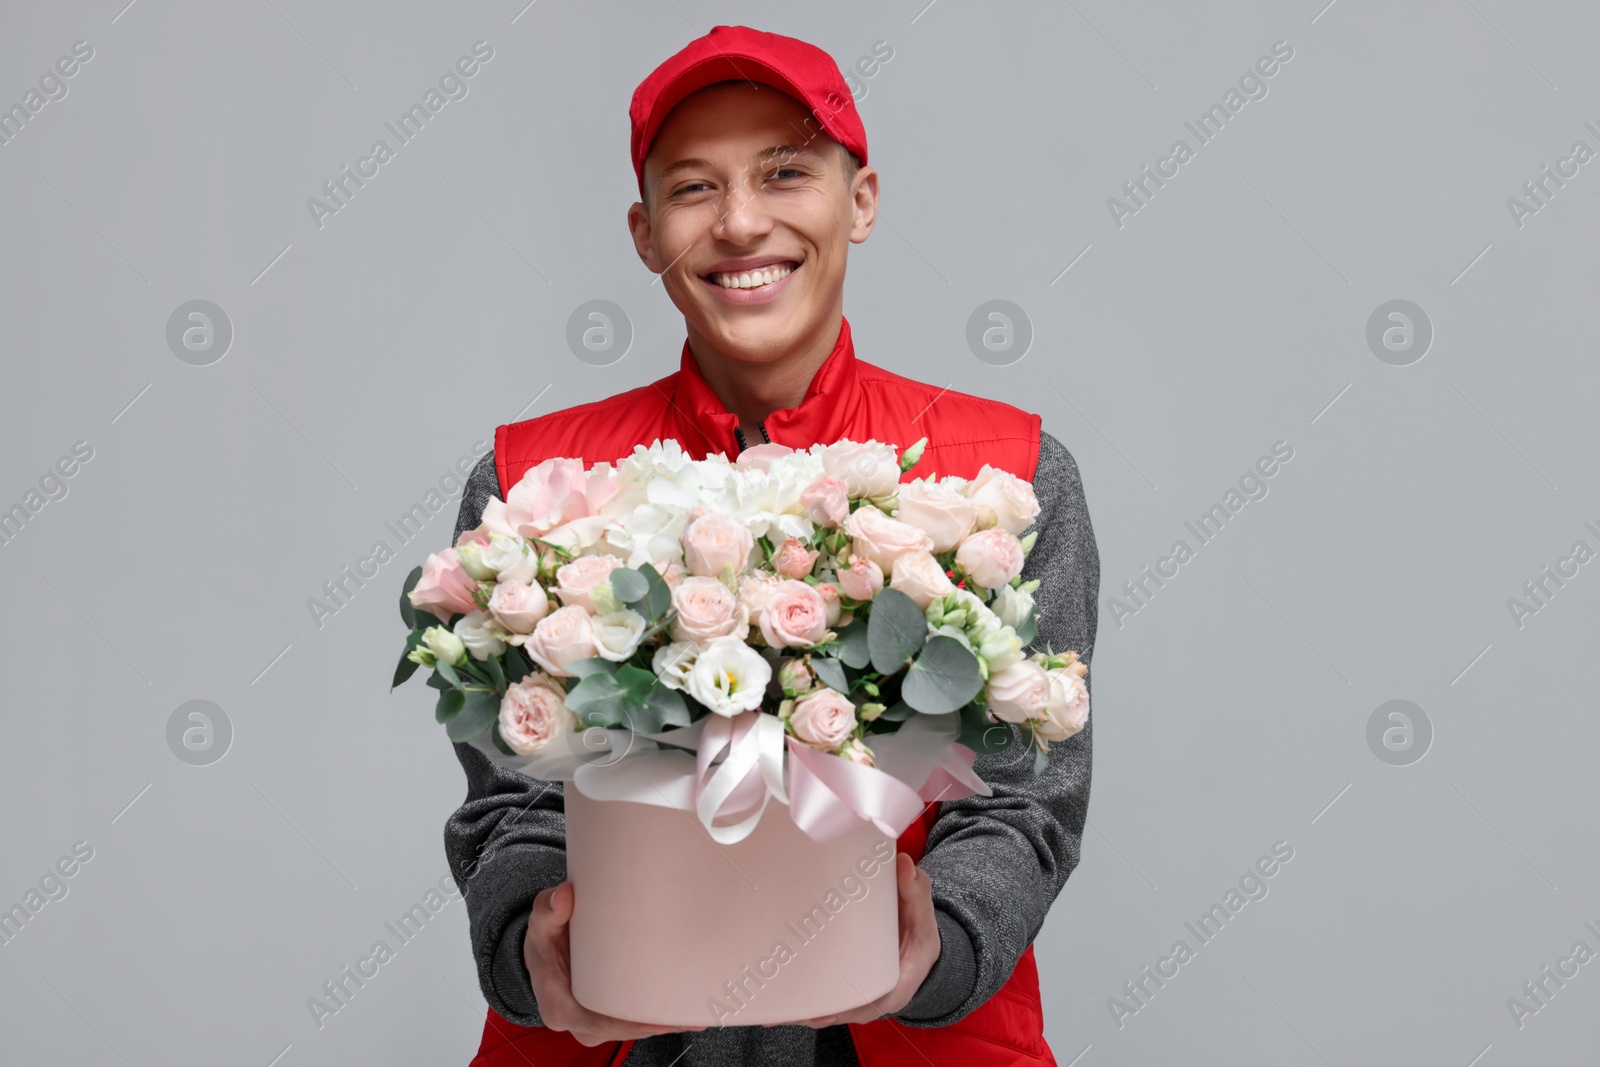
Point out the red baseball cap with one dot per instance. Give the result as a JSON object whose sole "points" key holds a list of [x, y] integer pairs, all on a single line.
{"points": [[791, 66]]}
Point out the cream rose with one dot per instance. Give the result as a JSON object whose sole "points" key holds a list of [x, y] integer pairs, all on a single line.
{"points": [[576, 582], [712, 541], [617, 634], [1067, 711], [938, 510], [860, 579], [1020, 692], [755, 590], [518, 606], [795, 616], [475, 633], [533, 713], [823, 719], [793, 559], [826, 501], [562, 638], [707, 609], [1003, 500], [919, 576], [867, 469], [510, 558], [991, 557], [882, 539]]}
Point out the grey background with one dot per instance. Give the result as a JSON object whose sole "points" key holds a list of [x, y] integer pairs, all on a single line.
{"points": [[369, 355]]}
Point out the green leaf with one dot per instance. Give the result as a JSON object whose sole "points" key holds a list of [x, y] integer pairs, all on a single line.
{"points": [[635, 683], [1041, 758], [449, 673], [629, 585], [598, 700], [408, 614], [830, 672], [481, 710], [497, 673], [944, 677], [899, 711], [981, 735], [659, 598], [437, 681], [451, 701], [500, 742], [404, 669], [516, 665], [896, 631], [854, 648], [593, 665], [1028, 628], [662, 708]]}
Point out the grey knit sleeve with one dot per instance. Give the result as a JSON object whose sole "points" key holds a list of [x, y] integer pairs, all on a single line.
{"points": [[507, 841], [997, 863]]}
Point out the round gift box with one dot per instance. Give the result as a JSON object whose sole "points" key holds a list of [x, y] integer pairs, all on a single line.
{"points": [[669, 927]]}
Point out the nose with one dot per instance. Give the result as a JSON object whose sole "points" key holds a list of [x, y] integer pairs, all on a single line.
{"points": [[742, 215]]}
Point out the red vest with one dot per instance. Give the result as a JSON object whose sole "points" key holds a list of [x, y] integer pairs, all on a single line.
{"points": [[846, 399]]}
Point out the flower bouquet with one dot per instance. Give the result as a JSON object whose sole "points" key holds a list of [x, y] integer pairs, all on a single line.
{"points": [[685, 641]]}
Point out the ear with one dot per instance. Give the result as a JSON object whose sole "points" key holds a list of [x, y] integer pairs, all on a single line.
{"points": [[863, 204], [643, 232]]}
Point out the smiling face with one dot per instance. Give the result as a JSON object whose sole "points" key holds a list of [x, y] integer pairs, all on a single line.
{"points": [[748, 217]]}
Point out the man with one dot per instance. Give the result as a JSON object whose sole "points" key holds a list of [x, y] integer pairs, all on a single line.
{"points": [[751, 164]]}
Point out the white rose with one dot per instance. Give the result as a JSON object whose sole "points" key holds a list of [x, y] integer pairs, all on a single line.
{"points": [[729, 676], [617, 634], [938, 510], [704, 608], [1020, 692], [581, 580], [473, 629], [867, 470], [561, 638], [713, 541], [991, 557], [510, 559], [919, 576], [518, 606], [1003, 500], [881, 539], [1068, 709], [672, 663]]}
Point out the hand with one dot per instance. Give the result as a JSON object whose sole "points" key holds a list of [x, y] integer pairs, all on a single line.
{"points": [[547, 952], [919, 948]]}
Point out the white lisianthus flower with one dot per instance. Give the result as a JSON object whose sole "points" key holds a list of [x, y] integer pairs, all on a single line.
{"points": [[445, 645], [476, 634], [729, 677], [617, 634], [672, 663], [1012, 606]]}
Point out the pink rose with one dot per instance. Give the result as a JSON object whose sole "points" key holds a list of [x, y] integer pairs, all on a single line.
{"points": [[755, 590], [793, 559], [861, 580], [882, 539], [445, 587], [577, 581], [919, 576], [712, 541], [558, 501], [561, 639], [857, 752], [1020, 692], [1067, 711], [823, 719], [761, 456], [1003, 500], [936, 508], [707, 609], [533, 713], [795, 616], [868, 469], [826, 501], [830, 601], [991, 557], [518, 606]]}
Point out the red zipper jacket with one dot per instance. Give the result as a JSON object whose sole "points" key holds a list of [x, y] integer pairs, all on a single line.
{"points": [[851, 399]]}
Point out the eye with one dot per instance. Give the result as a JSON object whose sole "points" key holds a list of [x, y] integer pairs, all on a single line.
{"points": [[690, 188], [778, 174]]}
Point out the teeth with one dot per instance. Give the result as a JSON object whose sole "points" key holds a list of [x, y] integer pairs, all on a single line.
{"points": [[750, 279]]}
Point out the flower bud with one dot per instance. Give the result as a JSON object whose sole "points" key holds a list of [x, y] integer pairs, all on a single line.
{"points": [[868, 712], [795, 677], [913, 455], [445, 645], [1028, 542], [470, 556]]}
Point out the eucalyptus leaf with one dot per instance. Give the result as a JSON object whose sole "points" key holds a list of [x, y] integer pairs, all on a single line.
{"points": [[830, 672], [1040, 759], [854, 648], [662, 708], [500, 742], [944, 677], [437, 681], [1028, 628], [629, 585], [497, 673], [981, 735], [516, 665], [481, 710], [899, 711], [449, 673], [451, 701], [659, 598], [896, 631], [593, 665]]}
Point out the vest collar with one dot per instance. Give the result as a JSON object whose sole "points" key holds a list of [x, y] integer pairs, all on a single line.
{"points": [[825, 414]]}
